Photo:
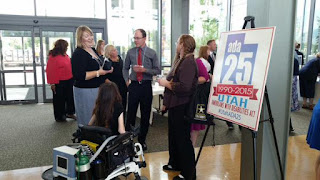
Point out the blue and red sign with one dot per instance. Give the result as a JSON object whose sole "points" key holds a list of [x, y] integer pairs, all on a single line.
{"points": [[239, 76]]}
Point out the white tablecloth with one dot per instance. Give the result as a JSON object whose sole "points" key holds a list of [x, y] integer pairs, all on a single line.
{"points": [[156, 91]]}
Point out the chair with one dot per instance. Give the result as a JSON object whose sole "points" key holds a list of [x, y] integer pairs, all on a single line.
{"points": [[121, 156]]}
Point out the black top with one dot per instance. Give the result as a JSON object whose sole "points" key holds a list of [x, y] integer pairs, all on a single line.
{"points": [[118, 109], [210, 60], [82, 62], [300, 53], [117, 77], [311, 69], [296, 67]]}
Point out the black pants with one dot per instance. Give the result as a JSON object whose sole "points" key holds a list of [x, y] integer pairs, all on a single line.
{"points": [[181, 151], [63, 102], [139, 93]]}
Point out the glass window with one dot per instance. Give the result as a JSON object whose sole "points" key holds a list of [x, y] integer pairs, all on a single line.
{"points": [[305, 27], [124, 19], [166, 33], [16, 50], [238, 12], [315, 32], [299, 21], [72, 8], [17, 7], [207, 19]]}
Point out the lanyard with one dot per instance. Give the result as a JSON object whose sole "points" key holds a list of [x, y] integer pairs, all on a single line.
{"points": [[97, 60]]}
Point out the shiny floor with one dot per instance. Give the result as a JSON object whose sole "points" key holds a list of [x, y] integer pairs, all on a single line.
{"points": [[219, 162]]}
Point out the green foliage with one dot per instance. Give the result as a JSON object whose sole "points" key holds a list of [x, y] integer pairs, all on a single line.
{"points": [[315, 46], [210, 28], [191, 27]]}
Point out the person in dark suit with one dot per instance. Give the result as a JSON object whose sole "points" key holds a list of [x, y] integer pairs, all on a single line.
{"points": [[212, 57], [297, 46]]}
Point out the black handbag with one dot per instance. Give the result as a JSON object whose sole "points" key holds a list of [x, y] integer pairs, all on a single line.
{"points": [[197, 110]]}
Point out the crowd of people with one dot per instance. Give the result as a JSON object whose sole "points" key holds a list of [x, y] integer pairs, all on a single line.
{"points": [[93, 87]]}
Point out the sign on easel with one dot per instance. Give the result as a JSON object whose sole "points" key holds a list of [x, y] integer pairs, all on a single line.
{"points": [[240, 74]]}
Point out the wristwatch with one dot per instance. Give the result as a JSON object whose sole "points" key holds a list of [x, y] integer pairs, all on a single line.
{"points": [[98, 75]]}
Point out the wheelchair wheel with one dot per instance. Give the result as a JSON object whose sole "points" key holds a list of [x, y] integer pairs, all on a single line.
{"points": [[137, 176]]}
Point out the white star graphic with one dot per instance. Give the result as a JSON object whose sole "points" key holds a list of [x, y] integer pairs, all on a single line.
{"points": [[201, 109]]}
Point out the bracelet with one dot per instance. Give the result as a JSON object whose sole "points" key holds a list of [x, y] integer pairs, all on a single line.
{"points": [[97, 74]]}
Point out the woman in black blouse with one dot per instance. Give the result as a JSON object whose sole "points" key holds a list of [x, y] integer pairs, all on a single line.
{"points": [[108, 110], [88, 74], [116, 76]]}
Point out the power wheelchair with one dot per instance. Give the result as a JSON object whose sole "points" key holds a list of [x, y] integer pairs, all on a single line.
{"points": [[118, 154]]}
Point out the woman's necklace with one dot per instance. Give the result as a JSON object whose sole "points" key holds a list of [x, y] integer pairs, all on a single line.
{"points": [[93, 55]]}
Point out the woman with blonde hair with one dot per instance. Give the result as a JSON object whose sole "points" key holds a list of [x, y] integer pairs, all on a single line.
{"points": [[88, 73], [179, 87], [111, 53], [100, 47]]}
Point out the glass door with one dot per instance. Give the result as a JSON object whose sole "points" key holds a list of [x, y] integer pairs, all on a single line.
{"points": [[17, 66], [47, 39]]}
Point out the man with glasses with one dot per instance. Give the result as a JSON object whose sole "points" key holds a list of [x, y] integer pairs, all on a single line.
{"points": [[144, 64]]}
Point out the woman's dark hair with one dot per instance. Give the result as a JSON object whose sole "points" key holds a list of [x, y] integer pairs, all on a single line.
{"points": [[108, 95], [60, 48]]}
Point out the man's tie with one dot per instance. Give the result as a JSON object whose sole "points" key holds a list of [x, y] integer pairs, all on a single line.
{"points": [[139, 74]]}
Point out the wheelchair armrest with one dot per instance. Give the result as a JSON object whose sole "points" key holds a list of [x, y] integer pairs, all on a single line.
{"points": [[96, 129], [120, 138], [93, 134]]}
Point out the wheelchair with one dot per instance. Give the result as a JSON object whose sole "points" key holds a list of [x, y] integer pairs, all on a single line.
{"points": [[119, 154]]}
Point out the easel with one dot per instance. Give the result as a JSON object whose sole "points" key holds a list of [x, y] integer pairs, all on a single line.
{"points": [[271, 120], [210, 122]]}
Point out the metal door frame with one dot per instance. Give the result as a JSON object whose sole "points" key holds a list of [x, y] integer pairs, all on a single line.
{"points": [[59, 24], [3, 92], [51, 29]]}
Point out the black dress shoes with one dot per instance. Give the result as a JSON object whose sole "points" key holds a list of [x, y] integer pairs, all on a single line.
{"points": [[178, 178], [168, 167], [144, 146]]}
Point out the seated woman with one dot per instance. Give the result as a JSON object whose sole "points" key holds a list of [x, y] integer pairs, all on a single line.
{"points": [[108, 110]]}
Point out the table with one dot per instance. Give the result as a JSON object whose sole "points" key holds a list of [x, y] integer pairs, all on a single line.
{"points": [[156, 91]]}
